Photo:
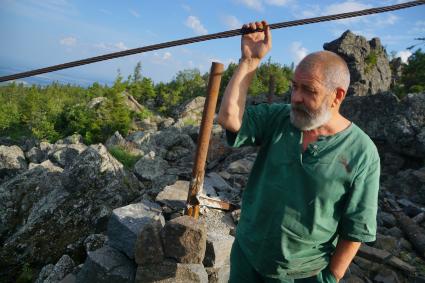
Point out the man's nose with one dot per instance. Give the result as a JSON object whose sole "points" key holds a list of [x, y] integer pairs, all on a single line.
{"points": [[296, 96]]}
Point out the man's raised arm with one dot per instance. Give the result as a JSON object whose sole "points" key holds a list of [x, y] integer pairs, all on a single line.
{"points": [[254, 47]]}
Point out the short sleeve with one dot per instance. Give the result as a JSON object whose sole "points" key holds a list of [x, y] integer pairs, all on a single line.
{"points": [[255, 126], [358, 222]]}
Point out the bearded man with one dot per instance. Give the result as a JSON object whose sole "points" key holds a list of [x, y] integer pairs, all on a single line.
{"points": [[311, 197]]}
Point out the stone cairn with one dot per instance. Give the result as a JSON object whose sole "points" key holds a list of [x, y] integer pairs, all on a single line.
{"points": [[142, 247]]}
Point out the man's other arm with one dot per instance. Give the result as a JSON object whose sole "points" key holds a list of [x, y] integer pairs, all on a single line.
{"points": [[254, 47], [341, 259]]}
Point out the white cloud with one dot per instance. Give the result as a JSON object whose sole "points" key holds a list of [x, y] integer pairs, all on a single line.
{"points": [[345, 7], [195, 24], [277, 2], [68, 41], [404, 55], [159, 58], [252, 4], [231, 22], [134, 13], [298, 51], [389, 20], [119, 46], [167, 55]]}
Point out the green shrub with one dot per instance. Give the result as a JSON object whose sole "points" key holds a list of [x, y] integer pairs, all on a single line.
{"points": [[26, 275], [127, 159]]}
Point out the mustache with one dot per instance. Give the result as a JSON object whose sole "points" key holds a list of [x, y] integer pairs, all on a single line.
{"points": [[301, 108]]}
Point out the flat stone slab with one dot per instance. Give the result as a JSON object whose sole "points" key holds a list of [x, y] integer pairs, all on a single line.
{"points": [[184, 239], [126, 223], [107, 265], [171, 272]]}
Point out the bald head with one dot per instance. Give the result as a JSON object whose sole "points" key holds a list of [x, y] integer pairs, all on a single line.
{"points": [[332, 67]]}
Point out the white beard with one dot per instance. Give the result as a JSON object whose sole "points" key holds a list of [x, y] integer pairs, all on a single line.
{"points": [[305, 120]]}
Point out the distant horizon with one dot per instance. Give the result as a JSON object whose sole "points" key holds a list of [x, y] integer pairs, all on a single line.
{"points": [[41, 34]]}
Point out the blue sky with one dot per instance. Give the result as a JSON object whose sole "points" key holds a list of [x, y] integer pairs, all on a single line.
{"points": [[39, 33]]}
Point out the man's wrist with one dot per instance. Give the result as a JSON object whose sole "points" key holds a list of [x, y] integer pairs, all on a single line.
{"points": [[252, 62]]}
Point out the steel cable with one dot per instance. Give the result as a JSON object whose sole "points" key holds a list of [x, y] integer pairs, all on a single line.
{"points": [[224, 34]]}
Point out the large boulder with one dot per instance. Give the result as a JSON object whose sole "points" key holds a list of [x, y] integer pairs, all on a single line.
{"points": [[107, 265], [126, 223], [367, 61], [45, 213], [12, 160], [383, 117], [184, 239], [171, 272]]}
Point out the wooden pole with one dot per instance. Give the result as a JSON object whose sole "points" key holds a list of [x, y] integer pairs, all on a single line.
{"points": [[197, 182]]}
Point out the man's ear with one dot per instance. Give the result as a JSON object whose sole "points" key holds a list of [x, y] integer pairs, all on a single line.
{"points": [[339, 97]]}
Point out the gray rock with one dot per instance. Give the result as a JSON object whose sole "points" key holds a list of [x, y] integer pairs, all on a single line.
{"points": [[64, 154], [165, 123], [73, 139], [126, 223], [96, 102], [107, 265], [388, 220], [70, 278], [44, 273], [387, 243], [37, 206], [47, 164], [219, 274], [94, 242], [35, 155], [149, 248], [242, 166], [386, 275], [407, 184], [115, 140], [170, 272], [367, 61], [192, 109], [217, 253], [55, 273], [397, 123], [12, 160], [175, 195], [395, 232], [184, 239], [150, 168]]}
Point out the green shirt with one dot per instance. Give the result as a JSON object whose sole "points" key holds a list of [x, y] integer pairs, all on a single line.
{"points": [[296, 204]]}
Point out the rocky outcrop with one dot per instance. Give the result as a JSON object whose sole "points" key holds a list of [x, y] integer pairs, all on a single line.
{"points": [[367, 61], [384, 118], [47, 211]]}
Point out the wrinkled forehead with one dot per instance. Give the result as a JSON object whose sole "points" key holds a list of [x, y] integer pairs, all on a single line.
{"points": [[308, 75]]}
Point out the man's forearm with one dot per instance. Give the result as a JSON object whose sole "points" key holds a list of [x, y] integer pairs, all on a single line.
{"points": [[341, 259], [234, 98]]}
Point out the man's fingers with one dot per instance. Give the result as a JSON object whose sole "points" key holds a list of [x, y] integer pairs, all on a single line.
{"points": [[267, 33], [252, 26]]}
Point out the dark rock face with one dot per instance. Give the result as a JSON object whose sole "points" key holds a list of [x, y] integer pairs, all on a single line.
{"points": [[367, 61], [107, 265], [401, 124], [45, 212]]}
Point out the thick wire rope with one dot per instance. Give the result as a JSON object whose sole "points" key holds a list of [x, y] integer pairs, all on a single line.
{"points": [[224, 34]]}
